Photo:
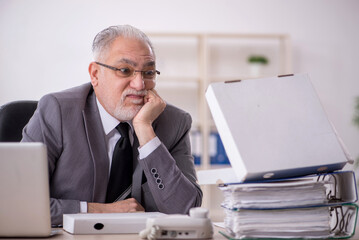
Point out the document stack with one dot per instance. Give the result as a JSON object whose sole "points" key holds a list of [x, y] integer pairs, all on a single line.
{"points": [[285, 155], [308, 207]]}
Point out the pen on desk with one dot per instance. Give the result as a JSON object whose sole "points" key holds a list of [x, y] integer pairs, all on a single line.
{"points": [[124, 195]]}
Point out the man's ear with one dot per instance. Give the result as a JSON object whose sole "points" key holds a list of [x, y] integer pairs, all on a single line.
{"points": [[94, 71]]}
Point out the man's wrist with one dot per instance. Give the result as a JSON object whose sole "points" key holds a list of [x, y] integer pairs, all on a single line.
{"points": [[96, 207], [144, 133]]}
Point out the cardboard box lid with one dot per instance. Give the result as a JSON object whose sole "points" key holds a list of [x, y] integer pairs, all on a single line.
{"points": [[274, 128]]}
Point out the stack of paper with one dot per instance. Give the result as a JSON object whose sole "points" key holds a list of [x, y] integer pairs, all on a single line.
{"points": [[307, 207], [280, 194], [290, 223]]}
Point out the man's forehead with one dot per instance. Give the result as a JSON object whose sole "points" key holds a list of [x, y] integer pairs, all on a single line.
{"points": [[132, 51]]}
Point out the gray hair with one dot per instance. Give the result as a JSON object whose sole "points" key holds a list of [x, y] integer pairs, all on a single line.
{"points": [[104, 38]]}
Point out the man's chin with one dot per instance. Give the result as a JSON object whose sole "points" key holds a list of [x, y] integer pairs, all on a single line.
{"points": [[127, 113]]}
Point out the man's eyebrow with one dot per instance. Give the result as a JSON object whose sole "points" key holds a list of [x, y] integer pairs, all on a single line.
{"points": [[128, 61], [134, 64], [150, 64]]}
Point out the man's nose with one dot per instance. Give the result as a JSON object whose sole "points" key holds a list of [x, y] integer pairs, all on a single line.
{"points": [[137, 82]]}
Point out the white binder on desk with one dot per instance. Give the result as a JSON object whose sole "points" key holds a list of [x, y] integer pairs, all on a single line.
{"points": [[272, 128]]}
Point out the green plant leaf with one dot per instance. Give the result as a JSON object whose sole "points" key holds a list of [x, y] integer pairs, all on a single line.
{"points": [[258, 59], [356, 113]]}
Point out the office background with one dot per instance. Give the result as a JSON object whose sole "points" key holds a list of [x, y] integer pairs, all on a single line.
{"points": [[45, 45]]}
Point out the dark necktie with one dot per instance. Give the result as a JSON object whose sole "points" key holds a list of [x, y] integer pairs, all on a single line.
{"points": [[121, 167]]}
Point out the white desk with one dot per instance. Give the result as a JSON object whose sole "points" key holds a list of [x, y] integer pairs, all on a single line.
{"points": [[67, 236], [63, 235], [216, 236]]}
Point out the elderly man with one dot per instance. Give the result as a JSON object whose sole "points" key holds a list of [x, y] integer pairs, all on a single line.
{"points": [[113, 144]]}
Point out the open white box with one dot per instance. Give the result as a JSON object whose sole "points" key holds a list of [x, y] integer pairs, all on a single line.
{"points": [[272, 128]]}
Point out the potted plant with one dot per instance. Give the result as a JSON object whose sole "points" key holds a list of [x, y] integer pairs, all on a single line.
{"points": [[256, 63]]}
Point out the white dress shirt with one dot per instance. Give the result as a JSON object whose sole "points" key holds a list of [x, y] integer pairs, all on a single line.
{"points": [[112, 135]]}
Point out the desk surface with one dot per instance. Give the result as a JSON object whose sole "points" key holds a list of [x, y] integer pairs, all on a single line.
{"points": [[67, 236]]}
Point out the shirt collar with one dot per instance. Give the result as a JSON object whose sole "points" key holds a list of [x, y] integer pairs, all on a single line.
{"points": [[108, 121]]}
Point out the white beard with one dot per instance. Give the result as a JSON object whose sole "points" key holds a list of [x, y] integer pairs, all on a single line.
{"points": [[127, 113]]}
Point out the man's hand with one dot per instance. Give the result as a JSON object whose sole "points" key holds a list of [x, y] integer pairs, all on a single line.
{"points": [[142, 122], [124, 206]]}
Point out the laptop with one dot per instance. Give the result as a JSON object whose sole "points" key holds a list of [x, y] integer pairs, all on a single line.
{"points": [[24, 189]]}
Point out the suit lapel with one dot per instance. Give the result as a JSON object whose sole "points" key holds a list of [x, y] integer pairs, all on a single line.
{"points": [[97, 146]]}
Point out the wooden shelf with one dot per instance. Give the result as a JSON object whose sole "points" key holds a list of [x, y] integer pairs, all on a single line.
{"points": [[177, 85], [189, 62]]}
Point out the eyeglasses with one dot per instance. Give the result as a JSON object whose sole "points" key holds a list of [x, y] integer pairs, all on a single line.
{"points": [[126, 72]]}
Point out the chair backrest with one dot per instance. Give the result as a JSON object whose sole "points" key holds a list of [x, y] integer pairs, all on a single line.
{"points": [[13, 118]]}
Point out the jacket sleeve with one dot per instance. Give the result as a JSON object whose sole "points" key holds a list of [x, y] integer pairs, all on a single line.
{"points": [[170, 171], [46, 126]]}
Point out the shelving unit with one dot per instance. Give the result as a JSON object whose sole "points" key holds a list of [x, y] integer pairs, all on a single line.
{"points": [[190, 62]]}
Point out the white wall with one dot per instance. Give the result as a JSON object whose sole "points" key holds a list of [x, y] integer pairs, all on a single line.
{"points": [[45, 44]]}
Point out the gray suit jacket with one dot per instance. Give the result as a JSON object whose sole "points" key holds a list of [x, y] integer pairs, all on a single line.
{"points": [[69, 124]]}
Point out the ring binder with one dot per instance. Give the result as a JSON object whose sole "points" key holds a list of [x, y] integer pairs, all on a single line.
{"points": [[275, 127], [317, 206], [275, 131], [341, 224], [344, 219], [332, 193]]}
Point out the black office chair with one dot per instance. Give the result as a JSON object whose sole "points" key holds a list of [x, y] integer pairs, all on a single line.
{"points": [[13, 118]]}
